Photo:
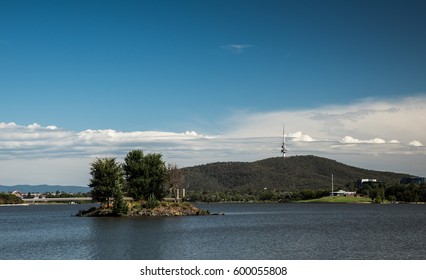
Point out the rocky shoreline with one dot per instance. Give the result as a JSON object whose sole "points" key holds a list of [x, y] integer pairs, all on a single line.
{"points": [[165, 209]]}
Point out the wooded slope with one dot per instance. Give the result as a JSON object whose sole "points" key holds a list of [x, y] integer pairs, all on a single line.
{"points": [[292, 173]]}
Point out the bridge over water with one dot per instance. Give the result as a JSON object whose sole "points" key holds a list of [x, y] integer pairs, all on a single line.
{"points": [[56, 199], [63, 199]]}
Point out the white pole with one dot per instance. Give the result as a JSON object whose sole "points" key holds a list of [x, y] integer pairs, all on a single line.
{"points": [[332, 185]]}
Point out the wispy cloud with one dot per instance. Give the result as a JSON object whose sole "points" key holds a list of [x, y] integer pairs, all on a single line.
{"points": [[351, 140], [36, 141], [399, 119], [236, 48]]}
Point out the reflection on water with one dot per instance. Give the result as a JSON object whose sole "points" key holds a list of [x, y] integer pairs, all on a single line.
{"points": [[246, 231]]}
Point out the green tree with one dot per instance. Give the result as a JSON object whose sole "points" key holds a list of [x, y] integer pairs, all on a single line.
{"points": [[120, 207], [152, 202], [134, 173], [106, 181], [145, 175]]}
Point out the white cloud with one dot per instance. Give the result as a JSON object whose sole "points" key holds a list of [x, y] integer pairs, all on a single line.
{"points": [[34, 126], [52, 127], [35, 141], [236, 48], [351, 140], [402, 119], [415, 143], [7, 125], [300, 137]]}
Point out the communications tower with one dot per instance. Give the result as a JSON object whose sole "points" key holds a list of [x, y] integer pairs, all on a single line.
{"points": [[283, 146]]}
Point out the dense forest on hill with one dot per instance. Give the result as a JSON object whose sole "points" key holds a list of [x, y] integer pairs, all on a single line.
{"points": [[284, 174]]}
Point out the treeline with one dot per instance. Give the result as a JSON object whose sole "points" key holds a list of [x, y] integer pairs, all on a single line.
{"points": [[256, 196], [377, 192], [7, 198], [62, 194], [395, 192]]}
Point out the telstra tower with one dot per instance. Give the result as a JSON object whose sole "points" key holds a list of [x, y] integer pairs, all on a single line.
{"points": [[283, 146]]}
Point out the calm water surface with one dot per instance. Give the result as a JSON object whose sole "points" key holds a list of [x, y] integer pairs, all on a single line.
{"points": [[247, 231]]}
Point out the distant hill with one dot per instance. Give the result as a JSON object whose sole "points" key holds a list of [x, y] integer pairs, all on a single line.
{"points": [[44, 189], [292, 173]]}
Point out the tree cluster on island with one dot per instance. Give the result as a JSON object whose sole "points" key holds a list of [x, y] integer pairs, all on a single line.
{"points": [[144, 178]]}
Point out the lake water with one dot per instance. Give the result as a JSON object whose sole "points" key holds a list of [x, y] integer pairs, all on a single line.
{"points": [[246, 231]]}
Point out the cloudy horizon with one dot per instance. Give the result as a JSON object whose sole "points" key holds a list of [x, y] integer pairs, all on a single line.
{"points": [[371, 134]]}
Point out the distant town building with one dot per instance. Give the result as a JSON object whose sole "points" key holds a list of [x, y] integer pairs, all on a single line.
{"points": [[360, 183], [342, 193], [18, 194], [413, 180]]}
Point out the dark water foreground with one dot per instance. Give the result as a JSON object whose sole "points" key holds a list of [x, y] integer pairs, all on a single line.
{"points": [[246, 231]]}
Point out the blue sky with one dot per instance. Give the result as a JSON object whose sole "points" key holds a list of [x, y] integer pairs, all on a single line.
{"points": [[214, 80]]}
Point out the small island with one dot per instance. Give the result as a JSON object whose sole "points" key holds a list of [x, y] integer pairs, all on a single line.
{"points": [[164, 209], [137, 188]]}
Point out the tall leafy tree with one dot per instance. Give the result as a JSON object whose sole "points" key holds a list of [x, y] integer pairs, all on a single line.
{"points": [[145, 174], [120, 207], [107, 180], [134, 173]]}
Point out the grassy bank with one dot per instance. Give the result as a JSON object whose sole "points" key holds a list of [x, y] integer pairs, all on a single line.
{"points": [[338, 199]]}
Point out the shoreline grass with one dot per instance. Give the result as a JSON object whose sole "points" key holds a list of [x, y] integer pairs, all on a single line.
{"points": [[338, 199]]}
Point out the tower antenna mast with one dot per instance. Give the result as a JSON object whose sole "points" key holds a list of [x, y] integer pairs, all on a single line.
{"points": [[283, 146]]}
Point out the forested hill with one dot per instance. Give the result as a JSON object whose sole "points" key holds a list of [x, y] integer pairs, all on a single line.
{"points": [[292, 173]]}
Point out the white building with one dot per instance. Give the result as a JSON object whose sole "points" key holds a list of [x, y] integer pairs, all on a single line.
{"points": [[342, 193]]}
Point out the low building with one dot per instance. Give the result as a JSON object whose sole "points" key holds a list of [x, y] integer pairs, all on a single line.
{"points": [[18, 194], [413, 180], [361, 182], [342, 193]]}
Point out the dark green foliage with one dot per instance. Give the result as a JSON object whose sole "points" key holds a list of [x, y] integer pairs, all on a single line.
{"points": [[282, 174], [378, 199], [406, 193], [262, 195], [134, 173], [66, 195], [107, 179], [120, 207], [7, 198], [151, 202], [144, 174], [268, 195]]}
